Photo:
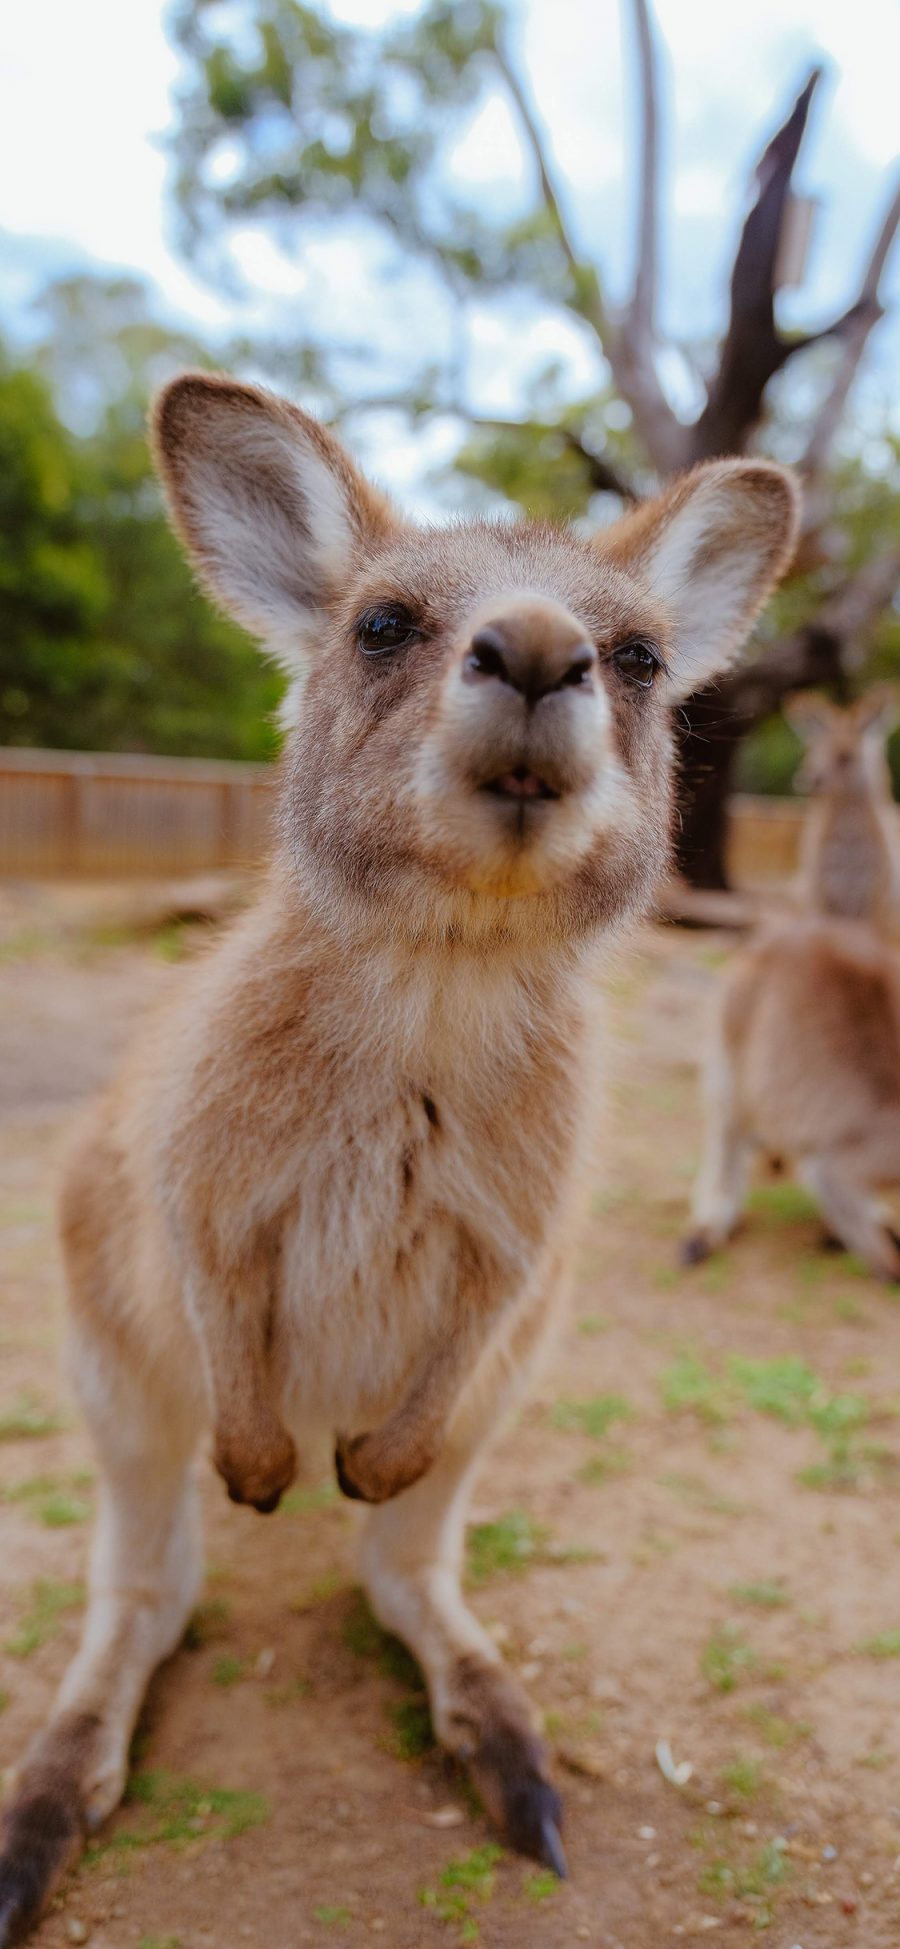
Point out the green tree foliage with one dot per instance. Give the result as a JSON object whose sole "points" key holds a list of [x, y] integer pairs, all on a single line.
{"points": [[104, 642]]}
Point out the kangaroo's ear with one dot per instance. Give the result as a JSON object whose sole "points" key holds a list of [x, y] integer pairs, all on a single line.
{"points": [[878, 712], [270, 508], [709, 550]]}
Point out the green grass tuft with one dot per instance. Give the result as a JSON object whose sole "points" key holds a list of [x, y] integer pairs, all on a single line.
{"points": [[26, 1420], [462, 1882], [768, 1594], [227, 1670], [689, 1385], [592, 1417], [512, 1543], [413, 1734], [48, 1604], [885, 1645], [726, 1658], [208, 1623]]}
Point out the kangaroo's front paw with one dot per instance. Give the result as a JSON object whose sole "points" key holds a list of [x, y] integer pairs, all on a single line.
{"points": [[256, 1470], [370, 1468]]}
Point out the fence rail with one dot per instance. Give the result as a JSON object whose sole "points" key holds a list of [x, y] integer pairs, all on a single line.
{"points": [[98, 815], [102, 815]]}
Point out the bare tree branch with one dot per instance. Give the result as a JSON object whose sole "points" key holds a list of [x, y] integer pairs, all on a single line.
{"points": [[853, 610], [853, 329], [753, 349], [631, 364], [549, 191], [605, 477], [642, 309]]}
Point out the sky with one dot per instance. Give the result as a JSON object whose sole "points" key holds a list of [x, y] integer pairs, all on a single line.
{"points": [[86, 96]]}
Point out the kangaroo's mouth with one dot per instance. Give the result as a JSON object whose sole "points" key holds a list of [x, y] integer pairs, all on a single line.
{"points": [[519, 784]]}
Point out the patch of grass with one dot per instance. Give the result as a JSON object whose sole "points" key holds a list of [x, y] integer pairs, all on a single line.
{"points": [[48, 1604], [26, 1420], [178, 1811], [783, 1201], [462, 1882], [298, 1502], [60, 1510], [290, 1694], [885, 1645], [363, 1635], [743, 1777], [592, 1417], [689, 1385], [726, 1658], [599, 1468], [591, 1324], [510, 1544], [413, 1734], [754, 1882], [540, 1886], [320, 1591], [774, 1730], [160, 1942], [768, 1594], [693, 1489], [208, 1623], [50, 1500], [331, 1918], [784, 1387], [4, 1700], [227, 1670]]}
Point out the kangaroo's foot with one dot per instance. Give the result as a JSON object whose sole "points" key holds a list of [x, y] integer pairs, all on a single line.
{"points": [[485, 1720]]}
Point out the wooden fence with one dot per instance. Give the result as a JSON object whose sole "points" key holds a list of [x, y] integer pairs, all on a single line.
{"points": [[100, 815]]}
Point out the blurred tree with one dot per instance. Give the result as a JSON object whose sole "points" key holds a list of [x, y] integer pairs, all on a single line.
{"points": [[104, 642], [290, 120]]}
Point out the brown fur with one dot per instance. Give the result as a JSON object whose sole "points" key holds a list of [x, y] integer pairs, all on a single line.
{"points": [[806, 1066], [335, 1188], [849, 866]]}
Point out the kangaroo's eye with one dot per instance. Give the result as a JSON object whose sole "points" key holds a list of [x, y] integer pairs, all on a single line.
{"points": [[389, 627], [639, 660]]}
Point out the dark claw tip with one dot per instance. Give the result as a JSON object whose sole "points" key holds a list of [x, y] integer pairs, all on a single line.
{"points": [[345, 1481], [266, 1504], [693, 1250], [234, 1495], [551, 1849], [533, 1820]]}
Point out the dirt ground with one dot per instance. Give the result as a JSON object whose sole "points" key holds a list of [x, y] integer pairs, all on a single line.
{"points": [[691, 1535]]}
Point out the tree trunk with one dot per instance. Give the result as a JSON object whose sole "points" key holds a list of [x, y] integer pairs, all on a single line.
{"points": [[710, 726]]}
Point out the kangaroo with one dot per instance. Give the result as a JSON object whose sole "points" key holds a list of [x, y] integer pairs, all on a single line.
{"points": [[849, 857], [805, 1065], [335, 1188]]}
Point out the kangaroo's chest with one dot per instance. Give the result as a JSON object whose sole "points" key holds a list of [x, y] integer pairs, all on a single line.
{"points": [[414, 1160]]}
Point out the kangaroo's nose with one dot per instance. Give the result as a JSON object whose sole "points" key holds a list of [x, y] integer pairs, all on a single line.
{"points": [[533, 662]]}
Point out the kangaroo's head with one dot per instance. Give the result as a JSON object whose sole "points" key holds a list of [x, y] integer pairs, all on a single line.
{"points": [[845, 756], [478, 728]]}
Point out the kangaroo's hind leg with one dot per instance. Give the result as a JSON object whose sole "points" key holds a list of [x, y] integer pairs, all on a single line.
{"points": [[851, 1212], [145, 1572], [411, 1559]]}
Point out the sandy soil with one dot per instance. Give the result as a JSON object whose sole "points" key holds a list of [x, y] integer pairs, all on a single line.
{"points": [[691, 1534]]}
